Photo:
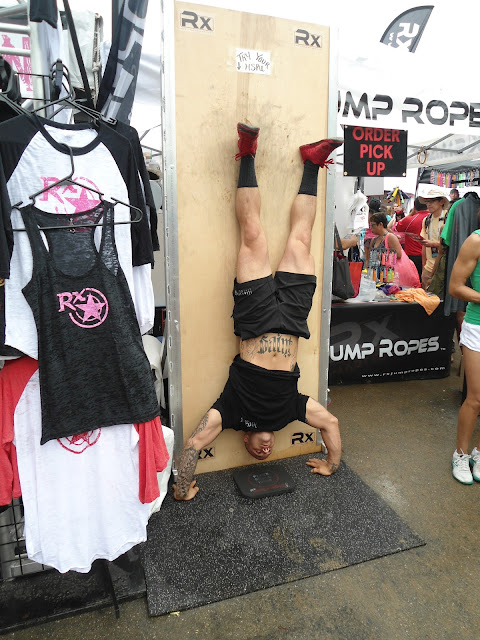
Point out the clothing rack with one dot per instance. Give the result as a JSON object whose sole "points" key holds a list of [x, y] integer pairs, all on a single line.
{"points": [[472, 181], [13, 559], [34, 53]]}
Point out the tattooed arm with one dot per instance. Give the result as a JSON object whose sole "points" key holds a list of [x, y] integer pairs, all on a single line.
{"points": [[204, 434], [318, 417]]}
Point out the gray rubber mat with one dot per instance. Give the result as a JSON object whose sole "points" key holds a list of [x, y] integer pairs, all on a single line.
{"points": [[222, 545]]}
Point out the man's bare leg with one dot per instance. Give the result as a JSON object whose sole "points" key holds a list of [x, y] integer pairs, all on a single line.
{"points": [[297, 257], [253, 261]]}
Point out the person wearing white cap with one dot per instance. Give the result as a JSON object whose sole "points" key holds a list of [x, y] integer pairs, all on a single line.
{"points": [[466, 466], [437, 205]]}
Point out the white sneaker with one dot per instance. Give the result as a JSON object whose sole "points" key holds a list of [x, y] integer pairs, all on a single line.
{"points": [[461, 468], [475, 464]]}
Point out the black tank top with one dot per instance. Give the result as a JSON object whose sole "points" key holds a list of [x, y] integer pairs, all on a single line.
{"points": [[92, 366]]}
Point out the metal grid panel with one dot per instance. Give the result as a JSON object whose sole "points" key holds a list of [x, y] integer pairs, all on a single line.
{"points": [[14, 561]]}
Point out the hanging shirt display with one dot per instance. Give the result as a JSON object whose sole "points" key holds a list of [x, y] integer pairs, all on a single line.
{"points": [[80, 438], [131, 135], [84, 477], [95, 475], [84, 497], [90, 345], [33, 159]]}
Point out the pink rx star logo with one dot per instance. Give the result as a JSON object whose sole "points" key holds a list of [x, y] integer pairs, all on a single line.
{"points": [[70, 198], [81, 441], [87, 308]]}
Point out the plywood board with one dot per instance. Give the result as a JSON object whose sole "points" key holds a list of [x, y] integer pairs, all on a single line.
{"points": [[272, 73]]}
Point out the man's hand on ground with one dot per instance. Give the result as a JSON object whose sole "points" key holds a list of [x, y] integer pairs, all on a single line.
{"points": [[322, 467], [192, 492]]}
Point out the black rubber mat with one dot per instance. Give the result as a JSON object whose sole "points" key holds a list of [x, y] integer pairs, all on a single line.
{"points": [[48, 595], [222, 545]]}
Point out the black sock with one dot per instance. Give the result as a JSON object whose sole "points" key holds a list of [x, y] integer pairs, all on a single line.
{"points": [[247, 176], [309, 179]]}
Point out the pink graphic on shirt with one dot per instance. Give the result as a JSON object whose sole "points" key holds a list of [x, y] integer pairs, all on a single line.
{"points": [[89, 307], [80, 442], [21, 64], [70, 198]]}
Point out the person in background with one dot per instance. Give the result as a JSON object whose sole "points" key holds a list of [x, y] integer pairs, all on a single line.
{"points": [[437, 204], [375, 206], [454, 195], [466, 466], [411, 225], [349, 241], [378, 227]]}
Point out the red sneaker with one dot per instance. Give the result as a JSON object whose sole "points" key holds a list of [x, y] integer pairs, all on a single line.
{"points": [[247, 140], [318, 152]]}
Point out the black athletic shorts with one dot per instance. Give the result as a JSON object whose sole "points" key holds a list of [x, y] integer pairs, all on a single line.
{"points": [[269, 304]]}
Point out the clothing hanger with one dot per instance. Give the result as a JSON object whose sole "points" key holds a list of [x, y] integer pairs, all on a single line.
{"points": [[59, 75], [68, 179], [72, 226], [95, 116]]}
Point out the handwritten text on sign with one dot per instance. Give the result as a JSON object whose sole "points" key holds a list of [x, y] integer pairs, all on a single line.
{"points": [[253, 61]]}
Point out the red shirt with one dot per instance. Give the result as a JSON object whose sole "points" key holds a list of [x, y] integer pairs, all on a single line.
{"points": [[412, 225]]}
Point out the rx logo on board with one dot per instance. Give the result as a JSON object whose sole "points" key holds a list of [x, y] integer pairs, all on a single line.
{"points": [[191, 20], [304, 38], [302, 438], [206, 453]]}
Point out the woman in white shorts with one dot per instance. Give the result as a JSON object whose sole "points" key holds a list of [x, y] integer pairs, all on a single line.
{"points": [[466, 466]]}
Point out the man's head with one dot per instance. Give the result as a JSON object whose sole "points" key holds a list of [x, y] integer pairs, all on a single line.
{"points": [[374, 205], [454, 195], [436, 201], [419, 206], [259, 445]]}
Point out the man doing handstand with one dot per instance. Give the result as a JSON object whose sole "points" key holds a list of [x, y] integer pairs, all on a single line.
{"points": [[270, 315]]}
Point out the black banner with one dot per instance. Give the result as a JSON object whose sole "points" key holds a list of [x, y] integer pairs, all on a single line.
{"points": [[407, 28], [385, 341], [119, 81], [370, 151]]}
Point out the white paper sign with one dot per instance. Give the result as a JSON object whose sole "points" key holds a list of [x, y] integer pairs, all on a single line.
{"points": [[253, 61]]}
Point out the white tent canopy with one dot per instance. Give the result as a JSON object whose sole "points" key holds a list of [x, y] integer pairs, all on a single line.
{"points": [[382, 87], [446, 153]]}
